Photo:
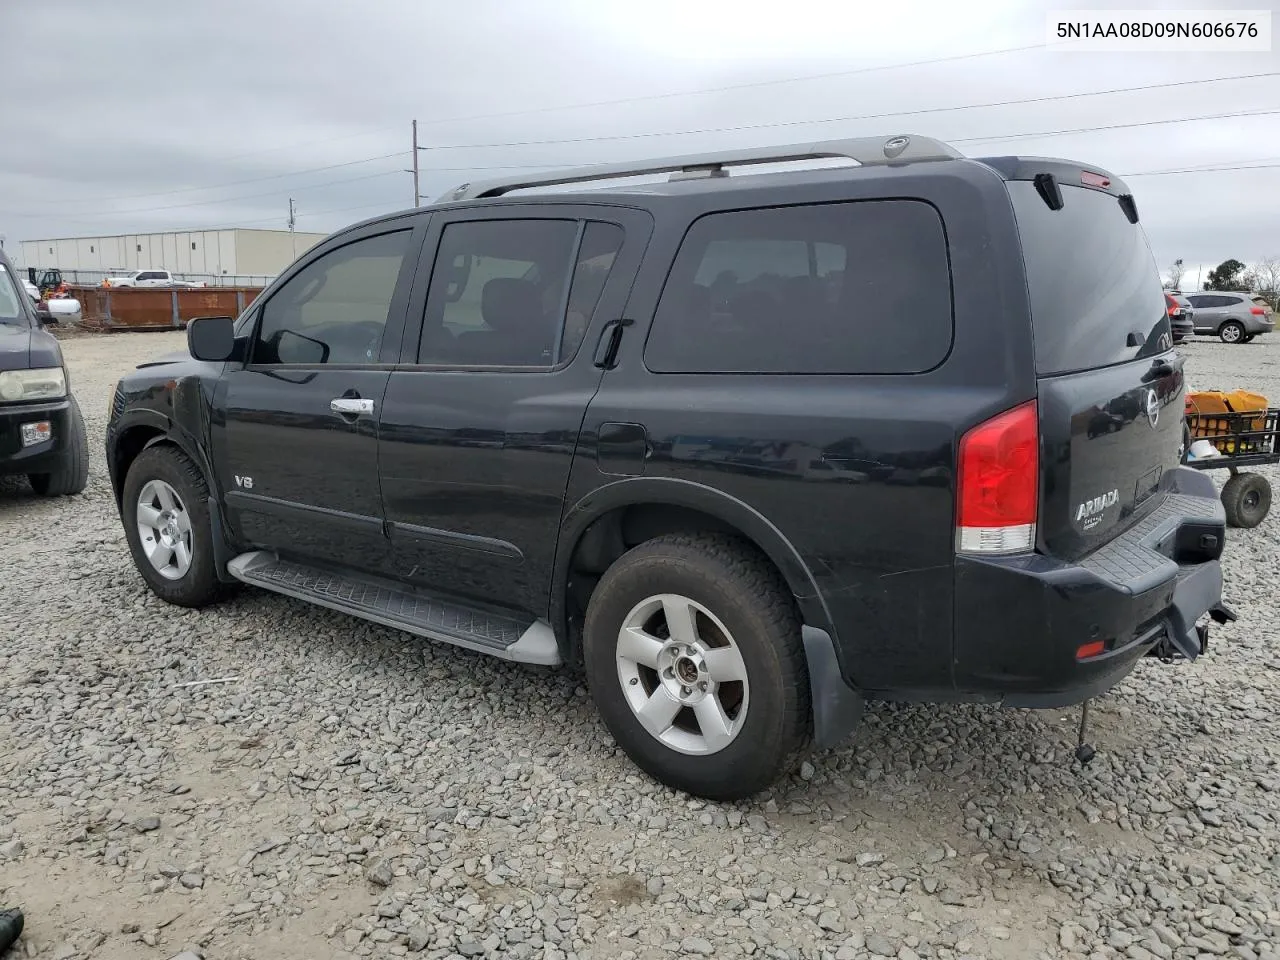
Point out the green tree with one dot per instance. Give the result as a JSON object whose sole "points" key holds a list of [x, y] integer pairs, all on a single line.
{"points": [[1225, 276]]}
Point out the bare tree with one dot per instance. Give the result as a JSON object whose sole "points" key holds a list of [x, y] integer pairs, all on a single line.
{"points": [[1175, 276], [1265, 277]]}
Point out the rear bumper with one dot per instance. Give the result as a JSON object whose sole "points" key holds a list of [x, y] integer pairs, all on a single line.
{"points": [[41, 457], [1255, 325], [1020, 621]]}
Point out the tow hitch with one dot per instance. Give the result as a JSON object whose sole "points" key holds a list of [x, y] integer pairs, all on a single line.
{"points": [[1178, 644], [1170, 648]]}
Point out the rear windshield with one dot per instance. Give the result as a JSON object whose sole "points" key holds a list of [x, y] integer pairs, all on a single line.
{"points": [[1096, 297]]}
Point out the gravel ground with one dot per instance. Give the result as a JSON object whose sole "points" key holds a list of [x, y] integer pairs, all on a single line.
{"points": [[357, 792]]}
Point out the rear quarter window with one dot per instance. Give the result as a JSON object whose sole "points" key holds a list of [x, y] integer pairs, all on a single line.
{"points": [[1093, 283], [835, 288]]}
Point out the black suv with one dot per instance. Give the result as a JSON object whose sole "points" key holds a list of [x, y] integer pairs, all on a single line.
{"points": [[41, 430], [752, 448]]}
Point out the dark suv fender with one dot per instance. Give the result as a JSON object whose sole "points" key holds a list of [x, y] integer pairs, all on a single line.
{"points": [[162, 429], [837, 707]]}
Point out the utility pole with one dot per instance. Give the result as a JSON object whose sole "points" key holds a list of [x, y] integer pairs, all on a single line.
{"points": [[293, 237], [417, 195]]}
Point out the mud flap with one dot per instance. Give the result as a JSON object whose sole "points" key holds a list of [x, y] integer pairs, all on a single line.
{"points": [[837, 707]]}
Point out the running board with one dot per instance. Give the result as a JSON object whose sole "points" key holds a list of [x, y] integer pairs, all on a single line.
{"points": [[394, 605]]}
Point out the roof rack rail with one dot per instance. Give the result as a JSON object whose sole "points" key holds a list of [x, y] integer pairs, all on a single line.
{"points": [[903, 148]]}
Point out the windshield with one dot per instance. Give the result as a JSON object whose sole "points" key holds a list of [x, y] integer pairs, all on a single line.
{"points": [[1095, 291], [11, 297]]}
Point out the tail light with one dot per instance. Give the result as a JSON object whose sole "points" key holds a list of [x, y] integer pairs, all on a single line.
{"points": [[998, 489], [1258, 311], [1173, 305]]}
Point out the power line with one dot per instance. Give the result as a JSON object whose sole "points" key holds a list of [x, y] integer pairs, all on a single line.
{"points": [[614, 102], [1169, 173], [305, 143], [750, 85], [1115, 126], [864, 116], [236, 183], [247, 196]]}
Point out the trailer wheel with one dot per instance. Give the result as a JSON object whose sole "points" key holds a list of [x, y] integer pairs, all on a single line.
{"points": [[1247, 499]]}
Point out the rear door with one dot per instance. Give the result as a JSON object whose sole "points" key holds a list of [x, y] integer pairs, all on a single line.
{"points": [[1110, 385], [1209, 312], [481, 418]]}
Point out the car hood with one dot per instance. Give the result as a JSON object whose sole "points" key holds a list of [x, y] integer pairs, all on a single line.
{"points": [[15, 347], [27, 348], [178, 356]]}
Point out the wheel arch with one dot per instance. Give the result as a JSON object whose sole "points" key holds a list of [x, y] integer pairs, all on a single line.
{"points": [[142, 429], [613, 518]]}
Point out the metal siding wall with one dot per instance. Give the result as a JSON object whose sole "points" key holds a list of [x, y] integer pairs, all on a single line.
{"points": [[227, 252]]}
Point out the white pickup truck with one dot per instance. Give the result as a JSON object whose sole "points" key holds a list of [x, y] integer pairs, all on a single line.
{"points": [[149, 278]]}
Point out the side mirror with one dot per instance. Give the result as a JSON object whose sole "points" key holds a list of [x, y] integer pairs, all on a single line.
{"points": [[212, 339]]}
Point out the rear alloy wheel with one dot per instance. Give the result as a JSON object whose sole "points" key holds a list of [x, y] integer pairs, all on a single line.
{"points": [[166, 521], [1247, 499], [1232, 332], [694, 659]]}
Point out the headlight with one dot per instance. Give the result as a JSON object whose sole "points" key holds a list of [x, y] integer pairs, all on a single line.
{"points": [[49, 383]]}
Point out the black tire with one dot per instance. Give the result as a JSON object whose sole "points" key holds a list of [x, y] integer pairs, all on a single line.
{"points": [[750, 598], [200, 585], [1232, 332], [1247, 499], [1248, 337], [73, 476]]}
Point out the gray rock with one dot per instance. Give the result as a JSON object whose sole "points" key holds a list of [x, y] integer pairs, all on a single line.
{"points": [[147, 824], [192, 881], [419, 938], [380, 874], [12, 849], [698, 946], [879, 946]]}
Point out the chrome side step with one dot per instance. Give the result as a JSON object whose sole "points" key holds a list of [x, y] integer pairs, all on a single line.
{"points": [[395, 605]]}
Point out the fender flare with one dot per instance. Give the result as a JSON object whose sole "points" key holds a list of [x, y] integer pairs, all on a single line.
{"points": [[837, 707], [170, 431], [664, 491]]}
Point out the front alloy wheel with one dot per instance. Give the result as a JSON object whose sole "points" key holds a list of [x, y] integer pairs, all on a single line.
{"points": [[164, 529], [165, 510]]}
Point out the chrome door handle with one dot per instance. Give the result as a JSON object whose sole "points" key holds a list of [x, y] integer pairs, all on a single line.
{"points": [[350, 405]]}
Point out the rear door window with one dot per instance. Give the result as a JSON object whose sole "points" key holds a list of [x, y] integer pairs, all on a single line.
{"points": [[1096, 297], [835, 288]]}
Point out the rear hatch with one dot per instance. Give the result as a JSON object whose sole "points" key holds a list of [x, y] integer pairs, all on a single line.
{"points": [[1110, 386]]}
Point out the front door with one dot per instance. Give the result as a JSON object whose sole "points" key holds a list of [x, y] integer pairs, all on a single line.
{"points": [[480, 425], [299, 431]]}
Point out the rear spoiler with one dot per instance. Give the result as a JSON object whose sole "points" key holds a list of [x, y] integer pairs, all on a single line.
{"points": [[1050, 175]]}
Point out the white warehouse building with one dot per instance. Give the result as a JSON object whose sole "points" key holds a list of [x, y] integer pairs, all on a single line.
{"points": [[198, 253]]}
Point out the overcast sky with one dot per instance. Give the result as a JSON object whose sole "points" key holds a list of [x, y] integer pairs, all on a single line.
{"points": [[145, 115]]}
